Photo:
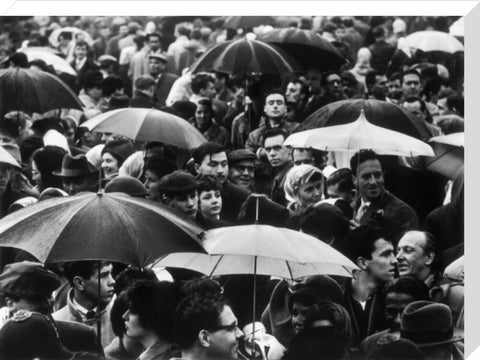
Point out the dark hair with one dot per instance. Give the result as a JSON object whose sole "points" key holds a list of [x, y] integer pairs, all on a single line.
{"points": [[201, 286], [361, 241], [268, 133], [451, 124], [66, 35], [271, 92], [195, 313], [395, 76], [112, 83], [47, 160], [411, 72], [82, 43], [144, 82], [326, 74], [378, 31], [200, 81], [154, 34], [342, 177], [130, 275], [360, 157], [85, 269], [303, 86], [208, 183], [409, 285], [457, 102], [160, 165], [119, 307], [155, 304], [208, 104], [371, 76], [208, 148], [430, 247]]}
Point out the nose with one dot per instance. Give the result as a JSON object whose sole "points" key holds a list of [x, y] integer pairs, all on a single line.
{"points": [[111, 280], [125, 315], [238, 332]]}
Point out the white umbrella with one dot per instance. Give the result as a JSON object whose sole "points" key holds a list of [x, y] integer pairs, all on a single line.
{"points": [[455, 139], [6, 158], [53, 38], [60, 65], [431, 40], [357, 135], [458, 28]]}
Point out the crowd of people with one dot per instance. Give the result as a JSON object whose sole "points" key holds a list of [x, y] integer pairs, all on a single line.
{"points": [[400, 223]]}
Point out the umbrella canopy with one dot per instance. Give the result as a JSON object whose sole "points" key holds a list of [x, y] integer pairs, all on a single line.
{"points": [[147, 125], [378, 112], [458, 28], [449, 155], [360, 135], [34, 91], [245, 22], [90, 226], [76, 32], [244, 57], [306, 46], [431, 40], [60, 65], [6, 158], [263, 250]]}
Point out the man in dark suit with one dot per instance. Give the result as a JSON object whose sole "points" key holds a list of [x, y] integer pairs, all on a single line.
{"points": [[157, 64], [81, 63], [28, 285], [144, 91]]}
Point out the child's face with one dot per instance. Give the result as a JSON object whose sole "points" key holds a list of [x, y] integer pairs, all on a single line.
{"points": [[210, 203]]}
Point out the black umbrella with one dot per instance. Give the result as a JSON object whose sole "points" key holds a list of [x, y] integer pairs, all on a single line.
{"points": [[246, 22], [34, 91], [245, 57], [379, 113], [306, 46]]}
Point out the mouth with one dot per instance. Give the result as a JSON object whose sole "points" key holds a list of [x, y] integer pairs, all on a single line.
{"points": [[215, 208]]}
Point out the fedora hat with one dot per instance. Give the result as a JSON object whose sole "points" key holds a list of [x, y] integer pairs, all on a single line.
{"points": [[75, 166], [427, 323]]}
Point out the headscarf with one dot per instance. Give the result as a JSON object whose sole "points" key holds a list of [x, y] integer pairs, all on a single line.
{"points": [[298, 176]]}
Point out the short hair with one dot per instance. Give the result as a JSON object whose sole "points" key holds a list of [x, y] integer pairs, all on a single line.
{"points": [[200, 81], [371, 76], [303, 86], [82, 43], [154, 34], [430, 247], [160, 165], [208, 183], [208, 104], [274, 132], [361, 241], [342, 177], [409, 285], [85, 269], [154, 304], [222, 75], [411, 72], [202, 286], [326, 74], [144, 82], [360, 157], [67, 35], [413, 99], [457, 102], [196, 313], [451, 123], [208, 148], [395, 76], [378, 31], [130, 275], [112, 83], [272, 92]]}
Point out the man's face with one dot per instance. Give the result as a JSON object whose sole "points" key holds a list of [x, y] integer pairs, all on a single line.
{"points": [[224, 341], [411, 85], [411, 256], [415, 108], [80, 52], [242, 173], [370, 179], [90, 286], [74, 185], [96, 92], [442, 106], [219, 83], [209, 91], [6, 175], [314, 78], [349, 88], [302, 156], [203, 117], [214, 165], [382, 265], [278, 155], [394, 89], [299, 313], [381, 84], [293, 92], [187, 203], [154, 43], [334, 85], [310, 193], [395, 304], [156, 66], [275, 107]]}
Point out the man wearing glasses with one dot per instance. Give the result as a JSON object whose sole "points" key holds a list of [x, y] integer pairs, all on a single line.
{"points": [[206, 328]]}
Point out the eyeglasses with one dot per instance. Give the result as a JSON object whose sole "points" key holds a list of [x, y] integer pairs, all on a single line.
{"points": [[229, 328]]}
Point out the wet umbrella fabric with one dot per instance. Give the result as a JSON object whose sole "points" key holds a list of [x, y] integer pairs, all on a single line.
{"points": [[30, 91], [59, 64], [431, 40], [246, 22], [90, 226], [148, 125], [449, 155], [53, 38]]}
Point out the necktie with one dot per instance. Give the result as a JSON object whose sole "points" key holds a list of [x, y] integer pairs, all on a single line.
{"points": [[90, 314]]}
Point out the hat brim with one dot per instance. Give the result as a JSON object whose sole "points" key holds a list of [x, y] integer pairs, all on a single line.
{"points": [[457, 336], [74, 173]]}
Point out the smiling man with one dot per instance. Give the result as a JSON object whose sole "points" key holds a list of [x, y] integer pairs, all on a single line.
{"points": [[375, 204]]}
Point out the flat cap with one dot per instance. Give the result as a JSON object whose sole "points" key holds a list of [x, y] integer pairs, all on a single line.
{"points": [[178, 181], [239, 155]]}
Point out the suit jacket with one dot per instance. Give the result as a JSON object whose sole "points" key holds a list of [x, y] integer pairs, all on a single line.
{"points": [[78, 337], [89, 65], [162, 88], [233, 197], [140, 100]]}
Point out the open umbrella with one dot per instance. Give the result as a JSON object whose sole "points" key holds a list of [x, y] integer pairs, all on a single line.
{"points": [[431, 40], [6, 158], [76, 32], [377, 112], [243, 57], [246, 22], [360, 134], [34, 91], [59, 64], [147, 124], [90, 226], [306, 46]]}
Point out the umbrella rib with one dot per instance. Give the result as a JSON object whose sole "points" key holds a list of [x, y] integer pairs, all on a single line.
{"points": [[216, 265], [289, 270]]}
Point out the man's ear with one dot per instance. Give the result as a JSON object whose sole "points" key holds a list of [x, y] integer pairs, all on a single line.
{"points": [[354, 179], [204, 338], [196, 167], [362, 263], [10, 303], [166, 200], [429, 257], [79, 283]]}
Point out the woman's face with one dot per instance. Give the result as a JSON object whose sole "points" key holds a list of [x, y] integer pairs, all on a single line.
{"points": [[310, 193], [80, 52], [132, 325], [203, 116], [70, 132], [36, 176], [109, 164], [210, 203]]}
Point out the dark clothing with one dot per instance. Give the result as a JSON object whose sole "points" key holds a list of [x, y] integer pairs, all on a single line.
{"points": [[218, 134], [318, 102], [89, 65], [140, 100], [233, 197], [255, 138], [163, 84], [392, 214], [446, 224], [369, 321], [278, 192], [78, 337], [99, 47], [382, 52]]}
